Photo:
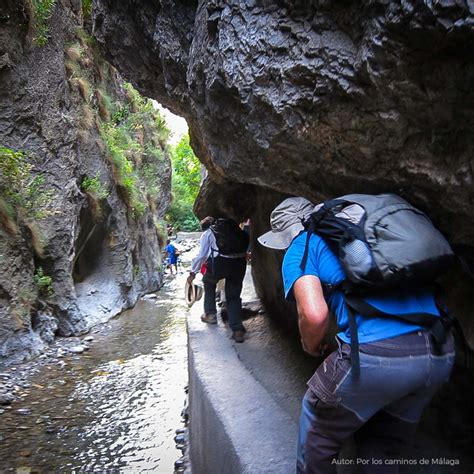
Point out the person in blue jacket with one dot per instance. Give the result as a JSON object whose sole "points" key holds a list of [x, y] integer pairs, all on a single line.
{"points": [[400, 366]]}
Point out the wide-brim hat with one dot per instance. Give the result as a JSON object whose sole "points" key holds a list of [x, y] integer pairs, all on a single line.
{"points": [[192, 293], [286, 222]]}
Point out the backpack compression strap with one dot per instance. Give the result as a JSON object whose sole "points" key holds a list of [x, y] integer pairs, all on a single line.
{"points": [[355, 358]]}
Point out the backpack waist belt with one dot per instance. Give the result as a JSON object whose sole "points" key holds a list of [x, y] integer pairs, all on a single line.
{"points": [[232, 255]]}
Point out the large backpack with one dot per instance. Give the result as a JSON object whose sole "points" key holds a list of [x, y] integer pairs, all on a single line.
{"points": [[381, 241], [230, 239]]}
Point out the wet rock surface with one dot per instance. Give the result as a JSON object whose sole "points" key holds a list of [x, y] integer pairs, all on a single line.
{"points": [[114, 407], [101, 261], [316, 99]]}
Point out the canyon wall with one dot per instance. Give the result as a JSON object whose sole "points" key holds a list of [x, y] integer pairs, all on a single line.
{"points": [[87, 182], [314, 98]]}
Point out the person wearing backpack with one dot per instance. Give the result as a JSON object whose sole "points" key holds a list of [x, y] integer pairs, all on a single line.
{"points": [[377, 392], [223, 247]]}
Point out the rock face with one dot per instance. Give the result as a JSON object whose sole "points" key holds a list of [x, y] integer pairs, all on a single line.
{"points": [[317, 99], [95, 247]]}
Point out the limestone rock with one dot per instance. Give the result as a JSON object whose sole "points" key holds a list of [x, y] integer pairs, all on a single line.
{"points": [[313, 98], [48, 112]]}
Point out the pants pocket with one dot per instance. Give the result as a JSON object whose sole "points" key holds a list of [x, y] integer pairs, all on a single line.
{"points": [[327, 378]]}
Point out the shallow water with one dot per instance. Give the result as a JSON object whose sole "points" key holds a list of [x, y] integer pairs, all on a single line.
{"points": [[114, 408]]}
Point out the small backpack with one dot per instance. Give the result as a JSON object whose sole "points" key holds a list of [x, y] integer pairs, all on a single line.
{"points": [[230, 239], [381, 241]]}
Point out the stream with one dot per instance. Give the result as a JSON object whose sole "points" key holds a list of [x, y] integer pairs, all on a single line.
{"points": [[112, 408]]}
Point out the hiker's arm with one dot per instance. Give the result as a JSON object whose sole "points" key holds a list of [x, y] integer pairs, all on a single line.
{"points": [[204, 252], [313, 313]]}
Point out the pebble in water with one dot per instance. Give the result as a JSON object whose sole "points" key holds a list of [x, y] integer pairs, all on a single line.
{"points": [[77, 349], [24, 411], [6, 398]]}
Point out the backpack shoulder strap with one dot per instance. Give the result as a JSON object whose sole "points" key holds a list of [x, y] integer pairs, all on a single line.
{"points": [[311, 223], [309, 231]]}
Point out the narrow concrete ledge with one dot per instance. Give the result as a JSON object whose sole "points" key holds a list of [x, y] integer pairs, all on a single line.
{"points": [[236, 426]]}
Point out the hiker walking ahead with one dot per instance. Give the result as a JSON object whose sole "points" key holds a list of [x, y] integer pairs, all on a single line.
{"points": [[172, 256], [223, 248], [380, 398]]}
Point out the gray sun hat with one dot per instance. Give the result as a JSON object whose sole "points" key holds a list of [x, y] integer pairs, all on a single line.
{"points": [[286, 222]]}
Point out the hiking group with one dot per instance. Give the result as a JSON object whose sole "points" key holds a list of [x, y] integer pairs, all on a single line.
{"points": [[371, 261], [222, 255]]}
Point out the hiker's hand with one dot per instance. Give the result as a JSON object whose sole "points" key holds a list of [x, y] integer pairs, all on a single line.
{"points": [[191, 278], [321, 352]]}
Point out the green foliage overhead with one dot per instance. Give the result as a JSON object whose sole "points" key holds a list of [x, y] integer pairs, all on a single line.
{"points": [[21, 190], [185, 186], [41, 11]]}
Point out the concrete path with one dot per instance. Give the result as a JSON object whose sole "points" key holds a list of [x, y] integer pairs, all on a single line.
{"points": [[245, 402], [244, 398]]}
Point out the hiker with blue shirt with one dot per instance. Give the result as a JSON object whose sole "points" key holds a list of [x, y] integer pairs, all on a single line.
{"points": [[172, 256], [399, 364]]}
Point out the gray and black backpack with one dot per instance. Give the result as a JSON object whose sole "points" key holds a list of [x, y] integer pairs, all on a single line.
{"points": [[382, 242], [230, 238]]}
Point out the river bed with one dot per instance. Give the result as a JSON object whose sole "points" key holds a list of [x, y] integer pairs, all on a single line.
{"points": [[114, 407]]}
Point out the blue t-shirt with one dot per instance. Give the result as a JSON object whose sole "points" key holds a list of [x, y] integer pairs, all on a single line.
{"points": [[325, 265], [171, 250]]}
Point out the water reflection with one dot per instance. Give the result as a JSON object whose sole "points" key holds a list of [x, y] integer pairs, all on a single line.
{"points": [[114, 408]]}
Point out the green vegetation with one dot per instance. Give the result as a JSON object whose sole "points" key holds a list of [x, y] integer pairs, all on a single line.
{"points": [[22, 194], [120, 144], [135, 137], [97, 192], [87, 8], [95, 187], [185, 187], [136, 270], [41, 11], [133, 132], [43, 283]]}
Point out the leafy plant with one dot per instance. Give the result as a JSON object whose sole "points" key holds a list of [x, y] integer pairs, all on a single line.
{"points": [[133, 133], [22, 192], [43, 282], [41, 11], [87, 8], [136, 270], [119, 143], [132, 137], [95, 187]]}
